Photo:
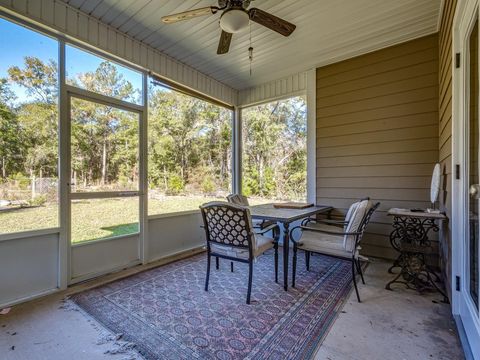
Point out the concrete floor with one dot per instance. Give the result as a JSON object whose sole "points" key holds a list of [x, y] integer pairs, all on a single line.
{"points": [[386, 325], [399, 324]]}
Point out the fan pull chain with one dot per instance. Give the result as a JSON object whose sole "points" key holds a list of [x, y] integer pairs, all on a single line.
{"points": [[250, 57], [250, 50]]}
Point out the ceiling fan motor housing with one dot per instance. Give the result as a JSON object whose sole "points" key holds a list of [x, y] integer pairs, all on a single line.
{"points": [[234, 20], [233, 3]]}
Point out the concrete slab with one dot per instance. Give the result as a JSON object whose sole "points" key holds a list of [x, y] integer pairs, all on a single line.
{"points": [[399, 324]]}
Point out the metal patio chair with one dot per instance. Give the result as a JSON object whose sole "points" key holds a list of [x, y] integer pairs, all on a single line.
{"points": [[342, 242], [229, 233], [333, 224], [242, 200]]}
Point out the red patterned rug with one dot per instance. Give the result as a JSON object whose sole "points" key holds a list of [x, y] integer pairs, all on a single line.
{"points": [[167, 314]]}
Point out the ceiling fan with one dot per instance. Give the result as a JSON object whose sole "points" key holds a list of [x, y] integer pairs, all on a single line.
{"points": [[235, 18]]}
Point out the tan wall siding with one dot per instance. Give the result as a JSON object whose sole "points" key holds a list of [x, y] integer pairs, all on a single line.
{"points": [[445, 131], [378, 131]]}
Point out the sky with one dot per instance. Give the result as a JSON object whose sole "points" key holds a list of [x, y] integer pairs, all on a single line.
{"points": [[16, 42]]}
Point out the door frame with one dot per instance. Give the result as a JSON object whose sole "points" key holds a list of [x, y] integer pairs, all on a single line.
{"points": [[70, 92], [465, 15]]}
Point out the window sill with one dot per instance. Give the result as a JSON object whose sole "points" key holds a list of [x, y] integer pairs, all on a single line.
{"points": [[173, 214], [29, 234]]}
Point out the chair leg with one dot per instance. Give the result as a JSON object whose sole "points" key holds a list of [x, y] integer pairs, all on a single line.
{"points": [[360, 271], [208, 272], [231, 266], [276, 261], [294, 264], [355, 280], [307, 259], [217, 263], [250, 277]]}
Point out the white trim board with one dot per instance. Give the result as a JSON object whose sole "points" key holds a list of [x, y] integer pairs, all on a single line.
{"points": [[290, 86], [462, 304]]}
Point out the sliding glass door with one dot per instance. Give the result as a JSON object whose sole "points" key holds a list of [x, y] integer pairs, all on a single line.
{"points": [[466, 250]]}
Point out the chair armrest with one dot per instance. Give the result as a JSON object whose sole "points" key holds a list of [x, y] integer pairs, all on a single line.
{"points": [[264, 224], [307, 220], [267, 229], [324, 221], [333, 222], [307, 228]]}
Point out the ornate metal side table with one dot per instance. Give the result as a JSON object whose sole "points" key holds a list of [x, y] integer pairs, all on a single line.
{"points": [[410, 238]]}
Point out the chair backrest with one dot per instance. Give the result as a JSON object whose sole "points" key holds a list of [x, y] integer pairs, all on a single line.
{"points": [[358, 222], [351, 211], [367, 218], [238, 199], [228, 224]]}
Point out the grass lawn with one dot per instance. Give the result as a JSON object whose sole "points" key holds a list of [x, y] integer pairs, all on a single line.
{"points": [[99, 218]]}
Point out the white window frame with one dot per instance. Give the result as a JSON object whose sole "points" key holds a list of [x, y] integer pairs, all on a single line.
{"points": [[463, 23], [310, 98]]}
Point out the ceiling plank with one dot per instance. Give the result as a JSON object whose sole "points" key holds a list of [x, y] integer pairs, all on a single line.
{"points": [[327, 31]]}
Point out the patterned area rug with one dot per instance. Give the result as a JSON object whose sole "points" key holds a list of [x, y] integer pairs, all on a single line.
{"points": [[168, 315]]}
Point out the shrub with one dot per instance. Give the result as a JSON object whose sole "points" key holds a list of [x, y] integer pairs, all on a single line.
{"points": [[208, 185], [38, 200], [21, 181], [175, 185]]}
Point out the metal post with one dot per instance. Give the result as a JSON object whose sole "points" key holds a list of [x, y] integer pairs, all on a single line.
{"points": [[237, 151], [64, 255], [143, 182]]}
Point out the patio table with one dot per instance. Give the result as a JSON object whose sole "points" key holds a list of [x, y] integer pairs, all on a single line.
{"points": [[285, 217]]}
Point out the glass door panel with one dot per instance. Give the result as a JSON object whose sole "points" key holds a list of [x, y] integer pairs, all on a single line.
{"points": [[104, 148], [104, 158], [97, 219], [473, 203]]}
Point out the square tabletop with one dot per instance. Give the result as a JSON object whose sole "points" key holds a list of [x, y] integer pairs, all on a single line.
{"points": [[416, 214], [269, 212]]}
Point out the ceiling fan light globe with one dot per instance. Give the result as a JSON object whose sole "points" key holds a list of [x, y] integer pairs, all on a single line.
{"points": [[234, 21]]}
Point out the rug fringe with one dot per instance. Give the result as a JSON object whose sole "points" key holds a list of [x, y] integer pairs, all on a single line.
{"points": [[105, 336]]}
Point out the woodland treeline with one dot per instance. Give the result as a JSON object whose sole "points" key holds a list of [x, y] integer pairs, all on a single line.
{"points": [[189, 140]]}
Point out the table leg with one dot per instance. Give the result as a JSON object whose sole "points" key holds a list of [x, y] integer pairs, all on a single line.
{"points": [[286, 248]]}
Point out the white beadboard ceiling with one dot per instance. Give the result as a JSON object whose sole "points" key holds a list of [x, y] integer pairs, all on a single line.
{"points": [[327, 31]]}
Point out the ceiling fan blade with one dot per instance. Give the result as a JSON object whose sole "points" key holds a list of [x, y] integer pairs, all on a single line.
{"points": [[224, 44], [271, 21], [170, 19]]}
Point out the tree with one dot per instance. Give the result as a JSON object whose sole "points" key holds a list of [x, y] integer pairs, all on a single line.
{"points": [[274, 141], [190, 138], [38, 118], [38, 78], [189, 142], [105, 139], [10, 139]]}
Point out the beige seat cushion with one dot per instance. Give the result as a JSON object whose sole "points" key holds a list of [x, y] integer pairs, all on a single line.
{"points": [[263, 243], [323, 243]]}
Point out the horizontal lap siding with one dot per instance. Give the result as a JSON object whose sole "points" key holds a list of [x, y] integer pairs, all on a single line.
{"points": [[445, 133], [378, 132]]}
